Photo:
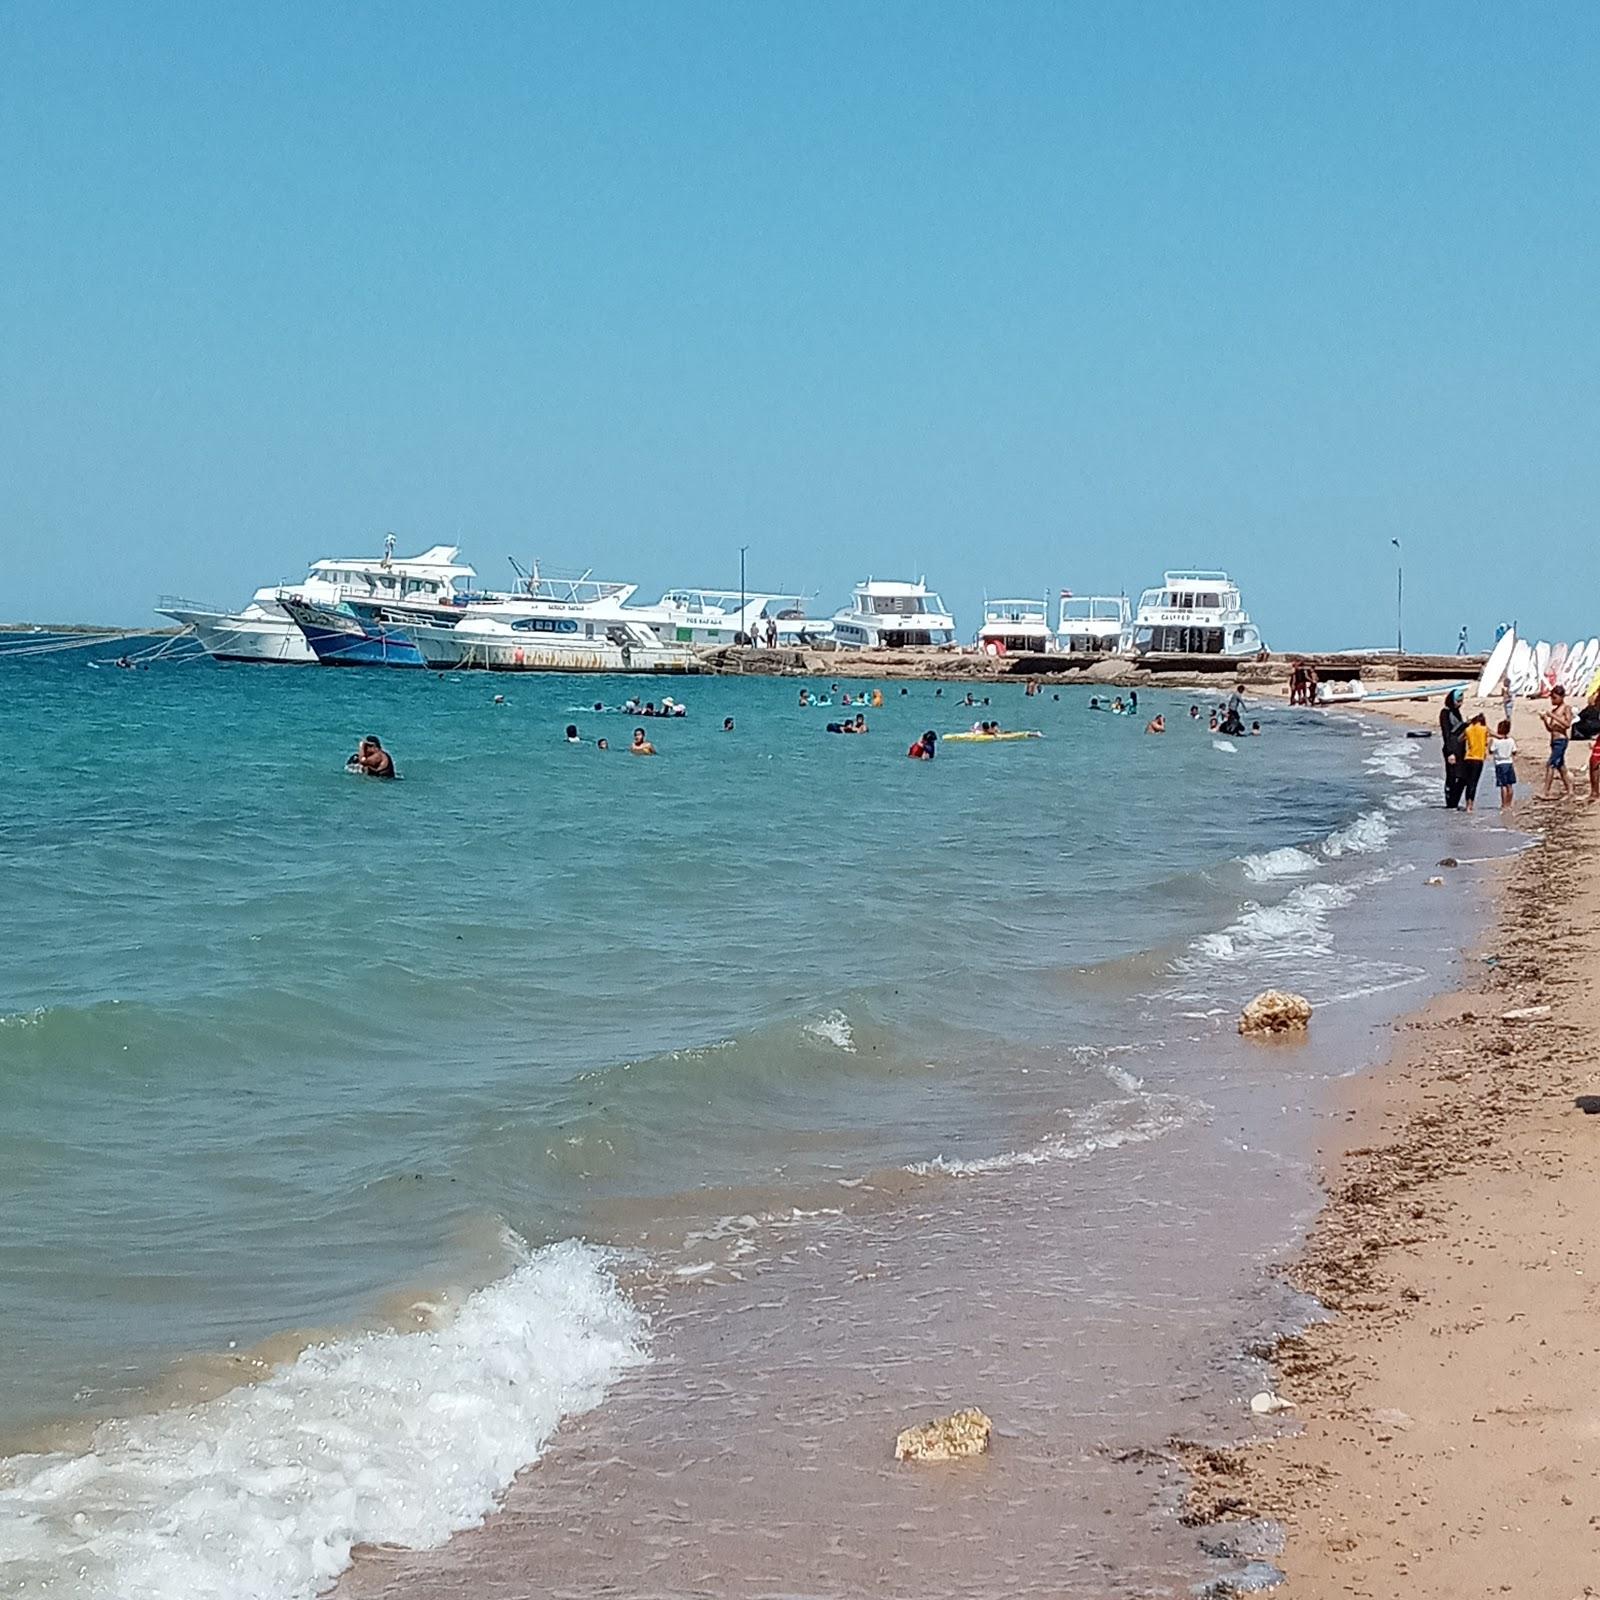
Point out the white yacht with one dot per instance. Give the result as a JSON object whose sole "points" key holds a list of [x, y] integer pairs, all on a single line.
{"points": [[1015, 627], [1194, 613], [888, 615], [263, 630], [548, 641], [1093, 624], [724, 616]]}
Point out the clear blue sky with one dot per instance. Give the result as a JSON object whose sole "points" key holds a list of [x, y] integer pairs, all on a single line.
{"points": [[1022, 295]]}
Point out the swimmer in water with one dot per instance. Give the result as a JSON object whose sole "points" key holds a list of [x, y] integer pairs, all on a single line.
{"points": [[1157, 724], [727, 724], [372, 759], [859, 725], [499, 699], [923, 749], [1117, 707], [877, 698], [601, 744], [1194, 713], [572, 734], [805, 697], [641, 746]]}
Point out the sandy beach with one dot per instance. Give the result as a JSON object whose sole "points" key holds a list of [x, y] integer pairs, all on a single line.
{"points": [[1444, 1425]]}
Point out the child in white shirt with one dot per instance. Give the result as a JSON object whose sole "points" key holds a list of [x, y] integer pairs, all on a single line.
{"points": [[1503, 752]]}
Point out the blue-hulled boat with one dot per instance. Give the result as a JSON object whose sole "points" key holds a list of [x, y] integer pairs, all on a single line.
{"points": [[338, 637]]}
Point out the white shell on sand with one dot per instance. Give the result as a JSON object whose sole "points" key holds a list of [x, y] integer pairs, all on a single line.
{"points": [[1267, 1404]]}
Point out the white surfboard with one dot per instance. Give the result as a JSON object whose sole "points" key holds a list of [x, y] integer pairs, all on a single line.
{"points": [[1522, 667], [1578, 676], [1558, 664], [1498, 664], [1541, 667], [1573, 668]]}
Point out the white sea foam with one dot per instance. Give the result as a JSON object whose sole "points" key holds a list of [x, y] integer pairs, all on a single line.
{"points": [[1271, 865], [1298, 921], [1370, 832], [383, 1438], [834, 1029], [1093, 1133]]}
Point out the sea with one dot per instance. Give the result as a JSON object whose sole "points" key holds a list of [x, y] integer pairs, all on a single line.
{"points": [[565, 1163]]}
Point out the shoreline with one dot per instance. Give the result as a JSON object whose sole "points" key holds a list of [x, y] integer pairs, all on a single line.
{"points": [[1039, 1461], [1437, 1441]]}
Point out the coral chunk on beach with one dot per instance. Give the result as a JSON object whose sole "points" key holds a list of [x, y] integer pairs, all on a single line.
{"points": [[1273, 1011], [965, 1433]]}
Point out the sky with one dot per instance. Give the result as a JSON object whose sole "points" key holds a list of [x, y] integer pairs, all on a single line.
{"points": [[1021, 296]]}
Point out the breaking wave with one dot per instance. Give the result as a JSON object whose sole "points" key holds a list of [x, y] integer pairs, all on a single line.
{"points": [[380, 1438]]}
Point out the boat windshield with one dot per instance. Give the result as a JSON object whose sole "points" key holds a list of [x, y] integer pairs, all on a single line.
{"points": [[1092, 608]]}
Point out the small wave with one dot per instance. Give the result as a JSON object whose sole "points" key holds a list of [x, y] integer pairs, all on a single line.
{"points": [[23, 1019], [1298, 920], [834, 1029], [1369, 833], [1271, 865], [383, 1438], [1097, 1132]]}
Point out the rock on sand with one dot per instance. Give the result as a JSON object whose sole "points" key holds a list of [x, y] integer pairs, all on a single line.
{"points": [[966, 1433], [1273, 1011]]}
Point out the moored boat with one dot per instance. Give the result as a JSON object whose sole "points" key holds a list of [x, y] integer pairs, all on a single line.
{"points": [[264, 631], [1194, 613], [546, 643], [1015, 627], [888, 614], [1093, 624]]}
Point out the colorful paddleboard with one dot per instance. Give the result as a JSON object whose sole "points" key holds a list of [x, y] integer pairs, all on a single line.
{"points": [[988, 738], [1554, 673]]}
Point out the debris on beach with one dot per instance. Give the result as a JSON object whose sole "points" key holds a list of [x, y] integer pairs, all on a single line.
{"points": [[1433, 883], [1268, 1404], [1274, 1011], [1525, 1014], [964, 1433]]}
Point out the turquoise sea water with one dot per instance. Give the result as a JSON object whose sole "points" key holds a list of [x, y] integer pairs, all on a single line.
{"points": [[279, 1044]]}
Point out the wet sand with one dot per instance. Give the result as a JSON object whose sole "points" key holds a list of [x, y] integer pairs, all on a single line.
{"points": [[1448, 1413]]}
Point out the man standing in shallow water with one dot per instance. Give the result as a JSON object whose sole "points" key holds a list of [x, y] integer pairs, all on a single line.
{"points": [[372, 759]]}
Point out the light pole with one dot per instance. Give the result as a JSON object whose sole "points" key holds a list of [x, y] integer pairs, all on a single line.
{"points": [[742, 549], [1399, 599]]}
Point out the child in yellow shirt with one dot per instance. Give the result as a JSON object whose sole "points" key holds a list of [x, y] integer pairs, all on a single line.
{"points": [[1476, 738]]}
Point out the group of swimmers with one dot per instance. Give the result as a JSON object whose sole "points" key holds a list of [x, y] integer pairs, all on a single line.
{"points": [[372, 760], [875, 699], [632, 708]]}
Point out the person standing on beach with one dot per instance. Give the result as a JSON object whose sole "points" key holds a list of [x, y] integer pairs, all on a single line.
{"points": [[1503, 748], [1476, 741], [1558, 720], [1452, 734]]}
